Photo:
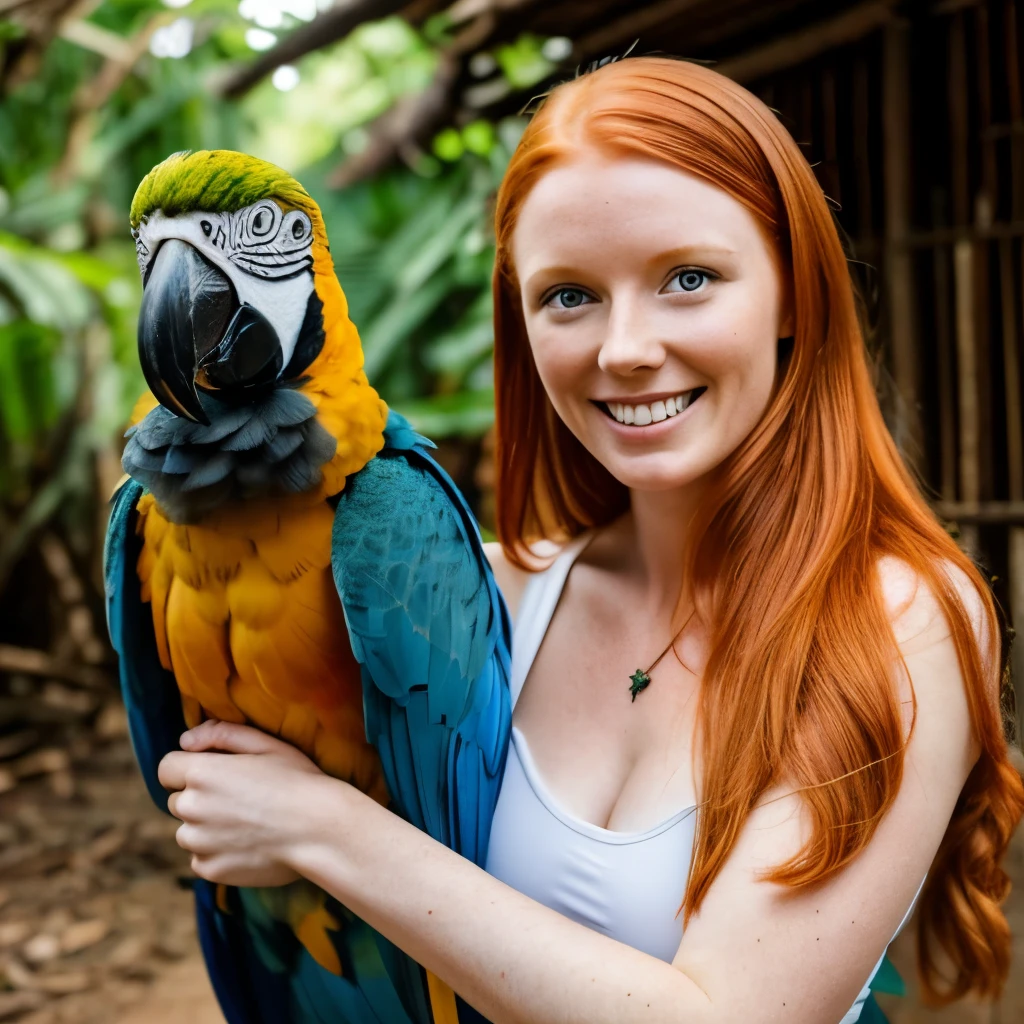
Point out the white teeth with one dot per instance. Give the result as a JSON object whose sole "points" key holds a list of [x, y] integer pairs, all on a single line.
{"points": [[642, 415]]}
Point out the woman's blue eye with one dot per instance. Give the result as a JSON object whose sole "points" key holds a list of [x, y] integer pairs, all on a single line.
{"points": [[568, 298], [691, 280]]}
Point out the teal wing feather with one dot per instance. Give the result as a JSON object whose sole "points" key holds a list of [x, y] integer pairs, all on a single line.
{"points": [[433, 637], [151, 697], [259, 970]]}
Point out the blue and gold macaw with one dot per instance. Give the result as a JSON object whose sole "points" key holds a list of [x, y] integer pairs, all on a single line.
{"points": [[287, 554]]}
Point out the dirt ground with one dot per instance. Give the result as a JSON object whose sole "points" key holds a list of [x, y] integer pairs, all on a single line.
{"points": [[96, 922]]}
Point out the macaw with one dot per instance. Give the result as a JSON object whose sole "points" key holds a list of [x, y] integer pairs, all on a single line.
{"points": [[286, 553]]}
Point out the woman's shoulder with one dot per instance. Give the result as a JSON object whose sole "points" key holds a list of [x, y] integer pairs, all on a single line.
{"points": [[511, 578], [914, 608], [933, 687], [541, 555]]}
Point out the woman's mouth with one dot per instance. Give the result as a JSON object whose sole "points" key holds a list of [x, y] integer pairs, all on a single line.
{"points": [[643, 414]]}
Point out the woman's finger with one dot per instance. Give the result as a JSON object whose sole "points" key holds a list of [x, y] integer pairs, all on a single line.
{"points": [[172, 768], [197, 840], [231, 738]]}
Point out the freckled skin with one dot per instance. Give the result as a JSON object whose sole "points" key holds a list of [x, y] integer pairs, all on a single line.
{"points": [[637, 332]]}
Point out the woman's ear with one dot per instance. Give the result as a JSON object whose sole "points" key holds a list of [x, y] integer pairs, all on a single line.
{"points": [[786, 323]]}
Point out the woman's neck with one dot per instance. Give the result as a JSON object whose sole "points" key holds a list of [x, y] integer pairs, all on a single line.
{"points": [[652, 537]]}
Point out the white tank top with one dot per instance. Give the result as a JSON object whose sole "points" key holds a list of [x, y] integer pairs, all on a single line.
{"points": [[626, 885]]}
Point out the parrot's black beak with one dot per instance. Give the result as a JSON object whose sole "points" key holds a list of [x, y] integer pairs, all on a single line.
{"points": [[194, 333]]}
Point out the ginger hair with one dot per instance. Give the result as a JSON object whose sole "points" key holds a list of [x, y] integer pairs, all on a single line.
{"points": [[783, 553]]}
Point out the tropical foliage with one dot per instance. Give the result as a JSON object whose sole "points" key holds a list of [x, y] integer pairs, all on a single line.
{"points": [[112, 95]]}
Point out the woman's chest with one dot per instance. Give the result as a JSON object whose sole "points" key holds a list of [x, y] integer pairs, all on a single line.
{"points": [[620, 763]]}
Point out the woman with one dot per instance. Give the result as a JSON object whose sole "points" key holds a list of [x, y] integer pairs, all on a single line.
{"points": [[683, 393]]}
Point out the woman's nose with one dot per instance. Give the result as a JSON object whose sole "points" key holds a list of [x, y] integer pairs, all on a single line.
{"points": [[631, 341]]}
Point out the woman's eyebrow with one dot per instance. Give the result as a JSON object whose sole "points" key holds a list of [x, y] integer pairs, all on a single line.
{"points": [[691, 253], [543, 274]]}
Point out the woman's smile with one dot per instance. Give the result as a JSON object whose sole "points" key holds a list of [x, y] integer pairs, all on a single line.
{"points": [[648, 418]]}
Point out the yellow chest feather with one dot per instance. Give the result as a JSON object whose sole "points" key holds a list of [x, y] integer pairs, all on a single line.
{"points": [[248, 619]]}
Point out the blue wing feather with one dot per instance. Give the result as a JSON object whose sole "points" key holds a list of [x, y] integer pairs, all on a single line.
{"points": [[432, 634], [433, 637], [151, 697], [259, 971]]}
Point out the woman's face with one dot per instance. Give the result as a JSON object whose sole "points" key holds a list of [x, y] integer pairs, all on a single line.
{"points": [[654, 306]]}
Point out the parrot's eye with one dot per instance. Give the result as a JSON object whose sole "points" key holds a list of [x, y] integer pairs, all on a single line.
{"points": [[206, 226], [299, 227], [262, 222]]}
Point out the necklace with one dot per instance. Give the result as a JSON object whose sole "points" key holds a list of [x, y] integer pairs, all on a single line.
{"points": [[640, 680]]}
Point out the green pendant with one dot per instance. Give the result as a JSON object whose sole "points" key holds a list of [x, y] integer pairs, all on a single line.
{"points": [[640, 680]]}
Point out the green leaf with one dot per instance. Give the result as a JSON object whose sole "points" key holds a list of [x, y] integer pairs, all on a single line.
{"points": [[458, 350], [440, 246], [448, 145], [469, 413], [523, 61], [386, 333], [43, 287], [29, 402], [479, 137]]}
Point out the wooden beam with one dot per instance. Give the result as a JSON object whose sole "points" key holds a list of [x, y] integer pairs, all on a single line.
{"points": [[979, 231], [942, 291], [964, 279], [635, 24], [899, 275], [1012, 347], [809, 42], [999, 512], [1011, 372], [31, 662]]}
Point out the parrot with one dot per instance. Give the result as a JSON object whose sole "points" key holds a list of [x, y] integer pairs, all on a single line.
{"points": [[285, 552]]}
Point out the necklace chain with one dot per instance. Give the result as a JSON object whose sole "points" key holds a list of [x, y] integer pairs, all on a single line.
{"points": [[640, 680]]}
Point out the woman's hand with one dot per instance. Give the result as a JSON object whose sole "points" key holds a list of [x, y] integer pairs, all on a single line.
{"points": [[245, 800]]}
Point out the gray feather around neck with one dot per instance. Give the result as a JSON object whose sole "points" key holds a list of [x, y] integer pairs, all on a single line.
{"points": [[270, 448]]}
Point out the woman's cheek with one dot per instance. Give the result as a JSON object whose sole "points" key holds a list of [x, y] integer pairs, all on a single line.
{"points": [[562, 361]]}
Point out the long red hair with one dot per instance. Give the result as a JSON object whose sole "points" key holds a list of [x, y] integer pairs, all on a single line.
{"points": [[783, 555]]}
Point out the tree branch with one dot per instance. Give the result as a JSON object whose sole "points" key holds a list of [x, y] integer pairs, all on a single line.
{"points": [[396, 132], [328, 27], [93, 95], [38, 663]]}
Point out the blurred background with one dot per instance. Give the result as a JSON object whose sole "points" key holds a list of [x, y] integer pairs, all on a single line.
{"points": [[399, 117]]}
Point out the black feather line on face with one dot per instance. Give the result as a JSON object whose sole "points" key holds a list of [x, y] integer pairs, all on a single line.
{"points": [[268, 449], [310, 340]]}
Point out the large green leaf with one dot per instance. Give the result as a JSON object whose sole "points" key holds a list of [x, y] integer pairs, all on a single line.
{"points": [[466, 413]]}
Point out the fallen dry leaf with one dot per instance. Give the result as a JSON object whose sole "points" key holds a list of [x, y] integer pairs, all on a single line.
{"points": [[83, 934]]}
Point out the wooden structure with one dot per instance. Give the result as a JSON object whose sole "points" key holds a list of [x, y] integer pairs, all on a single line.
{"points": [[912, 113]]}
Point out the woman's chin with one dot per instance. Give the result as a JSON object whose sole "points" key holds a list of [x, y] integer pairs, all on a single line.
{"points": [[655, 471]]}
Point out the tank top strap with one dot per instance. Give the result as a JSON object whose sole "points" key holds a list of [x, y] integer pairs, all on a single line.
{"points": [[537, 606]]}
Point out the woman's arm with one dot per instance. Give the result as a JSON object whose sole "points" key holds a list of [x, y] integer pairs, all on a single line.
{"points": [[755, 951]]}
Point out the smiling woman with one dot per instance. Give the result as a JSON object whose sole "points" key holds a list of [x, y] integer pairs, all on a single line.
{"points": [[608, 321], [675, 312], [685, 408]]}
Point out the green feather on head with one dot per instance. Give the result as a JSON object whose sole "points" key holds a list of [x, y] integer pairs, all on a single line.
{"points": [[218, 181]]}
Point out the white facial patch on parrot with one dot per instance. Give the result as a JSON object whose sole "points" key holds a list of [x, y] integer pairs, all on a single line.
{"points": [[266, 253]]}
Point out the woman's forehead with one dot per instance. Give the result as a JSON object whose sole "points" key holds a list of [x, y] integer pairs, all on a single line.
{"points": [[625, 203]]}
